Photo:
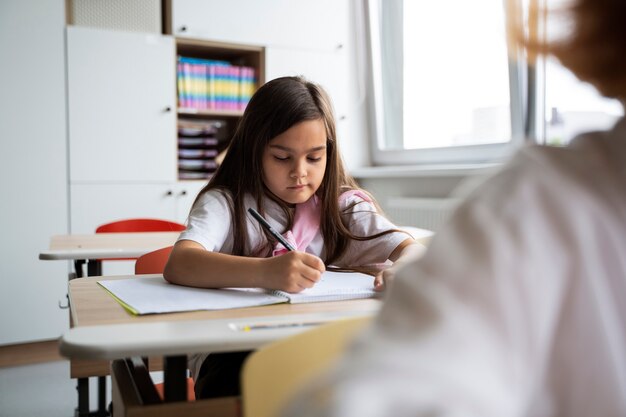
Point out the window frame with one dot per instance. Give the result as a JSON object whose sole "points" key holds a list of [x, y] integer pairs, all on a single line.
{"points": [[522, 89]]}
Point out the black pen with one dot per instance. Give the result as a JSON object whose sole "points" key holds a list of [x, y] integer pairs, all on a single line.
{"points": [[270, 229]]}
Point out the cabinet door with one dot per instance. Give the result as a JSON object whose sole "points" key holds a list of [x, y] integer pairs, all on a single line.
{"points": [[95, 204], [186, 194], [320, 24], [33, 167], [122, 106]]}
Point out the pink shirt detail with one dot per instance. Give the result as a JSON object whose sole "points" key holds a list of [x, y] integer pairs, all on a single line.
{"points": [[306, 222]]}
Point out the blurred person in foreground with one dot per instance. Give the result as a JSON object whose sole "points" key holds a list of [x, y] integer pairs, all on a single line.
{"points": [[518, 308]]}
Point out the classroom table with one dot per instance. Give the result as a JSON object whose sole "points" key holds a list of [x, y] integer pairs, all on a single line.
{"points": [[104, 331], [92, 249]]}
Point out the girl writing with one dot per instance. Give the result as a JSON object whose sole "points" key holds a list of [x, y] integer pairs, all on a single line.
{"points": [[284, 162]]}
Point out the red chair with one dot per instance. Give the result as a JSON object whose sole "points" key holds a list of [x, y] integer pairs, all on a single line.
{"points": [[140, 225], [154, 263]]}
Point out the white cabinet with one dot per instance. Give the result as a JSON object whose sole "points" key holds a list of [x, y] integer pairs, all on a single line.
{"points": [[320, 24], [122, 129], [122, 106], [95, 204], [33, 167]]}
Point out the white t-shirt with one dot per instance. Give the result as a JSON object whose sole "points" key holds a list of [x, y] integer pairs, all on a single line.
{"points": [[209, 224], [518, 308]]}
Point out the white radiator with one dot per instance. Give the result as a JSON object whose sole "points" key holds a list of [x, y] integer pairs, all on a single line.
{"points": [[425, 213]]}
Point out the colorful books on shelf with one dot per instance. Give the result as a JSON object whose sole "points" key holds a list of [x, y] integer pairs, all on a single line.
{"points": [[205, 84], [185, 154]]}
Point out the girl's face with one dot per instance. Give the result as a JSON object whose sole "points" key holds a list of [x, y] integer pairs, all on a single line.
{"points": [[294, 162]]}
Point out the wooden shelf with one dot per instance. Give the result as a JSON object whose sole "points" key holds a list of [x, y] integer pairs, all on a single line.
{"points": [[235, 54], [209, 113]]}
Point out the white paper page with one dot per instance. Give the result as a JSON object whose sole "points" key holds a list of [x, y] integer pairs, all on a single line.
{"points": [[336, 286], [148, 295]]}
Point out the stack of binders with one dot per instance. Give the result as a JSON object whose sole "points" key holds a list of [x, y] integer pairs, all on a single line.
{"points": [[198, 142]]}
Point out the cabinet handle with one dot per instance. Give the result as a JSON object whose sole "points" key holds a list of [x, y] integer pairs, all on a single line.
{"points": [[183, 29], [66, 304], [167, 109], [169, 193], [184, 192], [343, 117], [340, 46]]}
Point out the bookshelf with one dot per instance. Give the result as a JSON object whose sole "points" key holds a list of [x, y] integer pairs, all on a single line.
{"points": [[124, 124], [214, 82]]}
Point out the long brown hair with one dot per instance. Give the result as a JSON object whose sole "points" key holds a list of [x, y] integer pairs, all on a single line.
{"points": [[274, 108], [594, 47]]}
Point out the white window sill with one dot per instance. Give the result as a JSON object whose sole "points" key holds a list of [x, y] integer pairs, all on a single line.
{"points": [[413, 171]]}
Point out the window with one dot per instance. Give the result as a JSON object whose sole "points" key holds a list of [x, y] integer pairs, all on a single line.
{"points": [[573, 107], [446, 91]]}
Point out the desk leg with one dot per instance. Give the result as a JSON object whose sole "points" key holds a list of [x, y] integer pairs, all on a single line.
{"points": [[83, 409], [82, 386], [94, 268], [78, 267], [175, 378], [102, 396]]}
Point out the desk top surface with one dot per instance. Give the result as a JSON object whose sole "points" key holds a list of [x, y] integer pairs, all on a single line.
{"points": [[104, 330], [107, 245], [133, 245]]}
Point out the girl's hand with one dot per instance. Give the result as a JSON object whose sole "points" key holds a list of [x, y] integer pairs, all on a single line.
{"points": [[383, 279], [407, 252], [292, 272]]}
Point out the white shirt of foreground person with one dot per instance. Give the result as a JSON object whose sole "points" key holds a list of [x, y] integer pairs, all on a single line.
{"points": [[518, 307]]}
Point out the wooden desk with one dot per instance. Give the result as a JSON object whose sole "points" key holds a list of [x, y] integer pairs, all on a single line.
{"points": [[93, 248], [105, 331]]}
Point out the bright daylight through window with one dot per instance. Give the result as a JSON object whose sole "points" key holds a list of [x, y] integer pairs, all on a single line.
{"points": [[446, 90], [456, 77]]}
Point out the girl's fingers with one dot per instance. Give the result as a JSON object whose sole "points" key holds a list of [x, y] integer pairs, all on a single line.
{"points": [[311, 274], [379, 283], [314, 262]]}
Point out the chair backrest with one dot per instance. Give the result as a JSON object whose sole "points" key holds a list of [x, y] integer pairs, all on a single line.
{"points": [[274, 373], [140, 225], [153, 262]]}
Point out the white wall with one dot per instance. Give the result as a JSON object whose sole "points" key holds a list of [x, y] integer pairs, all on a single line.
{"points": [[33, 164]]}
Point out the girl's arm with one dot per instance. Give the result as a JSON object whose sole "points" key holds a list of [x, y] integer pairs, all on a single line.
{"points": [[407, 251], [192, 265]]}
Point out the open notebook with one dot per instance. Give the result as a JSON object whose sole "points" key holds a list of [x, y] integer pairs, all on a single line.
{"points": [[150, 295]]}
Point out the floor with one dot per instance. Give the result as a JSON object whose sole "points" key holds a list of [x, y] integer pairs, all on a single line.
{"points": [[43, 389]]}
